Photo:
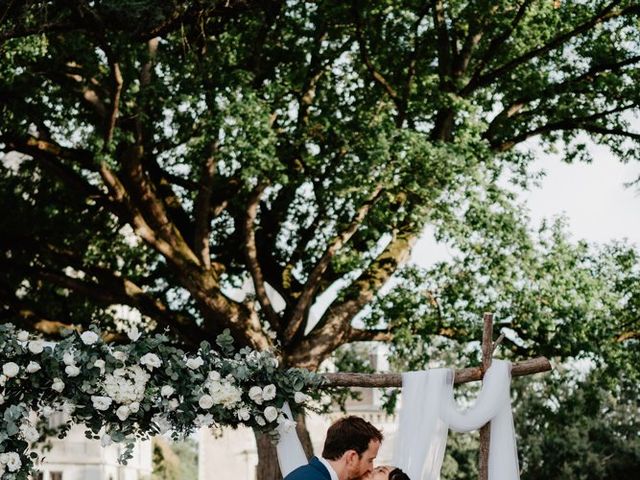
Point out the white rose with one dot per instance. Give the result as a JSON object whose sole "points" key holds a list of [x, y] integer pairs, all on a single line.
{"points": [[68, 408], [100, 402], [300, 397], [203, 420], [243, 414], [162, 422], [270, 413], [100, 364], [72, 371], [134, 407], [47, 411], [23, 335], [269, 392], [174, 403], [33, 367], [89, 337], [285, 424], [260, 420], [123, 412], [133, 334], [150, 360], [214, 376], [13, 462], [29, 433], [120, 355], [195, 363], [10, 369], [58, 385], [255, 394], [205, 402], [68, 358], [167, 391], [106, 440], [36, 346]]}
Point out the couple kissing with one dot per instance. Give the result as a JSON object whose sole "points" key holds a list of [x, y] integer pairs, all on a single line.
{"points": [[349, 450]]}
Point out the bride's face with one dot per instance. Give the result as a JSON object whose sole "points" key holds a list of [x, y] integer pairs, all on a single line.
{"points": [[380, 473]]}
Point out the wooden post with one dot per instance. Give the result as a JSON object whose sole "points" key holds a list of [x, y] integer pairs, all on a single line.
{"points": [[485, 431]]}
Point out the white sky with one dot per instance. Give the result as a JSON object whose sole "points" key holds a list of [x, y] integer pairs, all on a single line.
{"points": [[592, 196]]}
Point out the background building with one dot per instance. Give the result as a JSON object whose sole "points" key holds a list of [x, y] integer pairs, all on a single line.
{"points": [[79, 458]]}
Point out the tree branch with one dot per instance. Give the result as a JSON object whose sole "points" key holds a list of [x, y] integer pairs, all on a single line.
{"points": [[366, 60], [312, 283], [115, 103], [202, 210], [494, 46], [369, 335], [153, 208], [571, 85], [577, 123], [29, 313], [251, 256], [443, 42], [604, 15], [112, 289], [332, 330]]}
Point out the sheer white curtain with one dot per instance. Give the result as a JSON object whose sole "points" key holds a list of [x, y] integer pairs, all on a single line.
{"points": [[289, 448], [428, 410]]}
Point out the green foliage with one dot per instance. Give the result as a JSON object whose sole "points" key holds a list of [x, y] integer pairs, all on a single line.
{"points": [[578, 428]]}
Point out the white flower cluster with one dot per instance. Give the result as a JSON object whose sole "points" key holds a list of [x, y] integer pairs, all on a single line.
{"points": [[125, 386], [69, 359], [9, 461], [222, 391], [29, 433]]}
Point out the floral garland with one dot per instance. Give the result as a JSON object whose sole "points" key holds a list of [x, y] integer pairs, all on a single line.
{"points": [[132, 391]]}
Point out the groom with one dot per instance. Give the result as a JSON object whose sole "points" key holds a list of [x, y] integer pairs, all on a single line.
{"points": [[351, 445]]}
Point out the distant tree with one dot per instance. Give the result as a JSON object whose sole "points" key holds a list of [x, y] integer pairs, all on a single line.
{"points": [[175, 460], [158, 154], [578, 429]]}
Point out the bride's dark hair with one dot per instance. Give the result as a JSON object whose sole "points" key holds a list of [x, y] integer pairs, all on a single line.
{"points": [[398, 474]]}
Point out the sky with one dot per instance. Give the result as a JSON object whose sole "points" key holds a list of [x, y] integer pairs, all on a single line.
{"points": [[593, 197]]}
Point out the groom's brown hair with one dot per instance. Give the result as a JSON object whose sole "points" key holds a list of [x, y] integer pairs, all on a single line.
{"points": [[349, 433]]}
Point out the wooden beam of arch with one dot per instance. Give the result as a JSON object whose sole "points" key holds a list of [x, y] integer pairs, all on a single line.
{"points": [[465, 375]]}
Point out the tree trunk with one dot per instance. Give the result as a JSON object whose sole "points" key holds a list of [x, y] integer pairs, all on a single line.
{"points": [[268, 468]]}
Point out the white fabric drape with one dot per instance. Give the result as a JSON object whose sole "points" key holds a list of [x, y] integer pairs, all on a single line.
{"points": [[289, 448], [428, 410]]}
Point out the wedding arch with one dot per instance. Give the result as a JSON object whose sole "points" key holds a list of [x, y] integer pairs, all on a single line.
{"points": [[146, 386]]}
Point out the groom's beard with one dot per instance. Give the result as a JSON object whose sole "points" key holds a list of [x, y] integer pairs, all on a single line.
{"points": [[366, 476]]}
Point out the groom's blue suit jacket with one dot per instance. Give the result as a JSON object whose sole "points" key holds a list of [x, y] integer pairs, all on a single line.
{"points": [[315, 470]]}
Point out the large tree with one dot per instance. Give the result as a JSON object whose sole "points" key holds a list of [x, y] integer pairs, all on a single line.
{"points": [[157, 156]]}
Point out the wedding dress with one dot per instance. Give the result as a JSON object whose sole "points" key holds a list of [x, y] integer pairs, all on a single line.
{"points": [[428, 411]]}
